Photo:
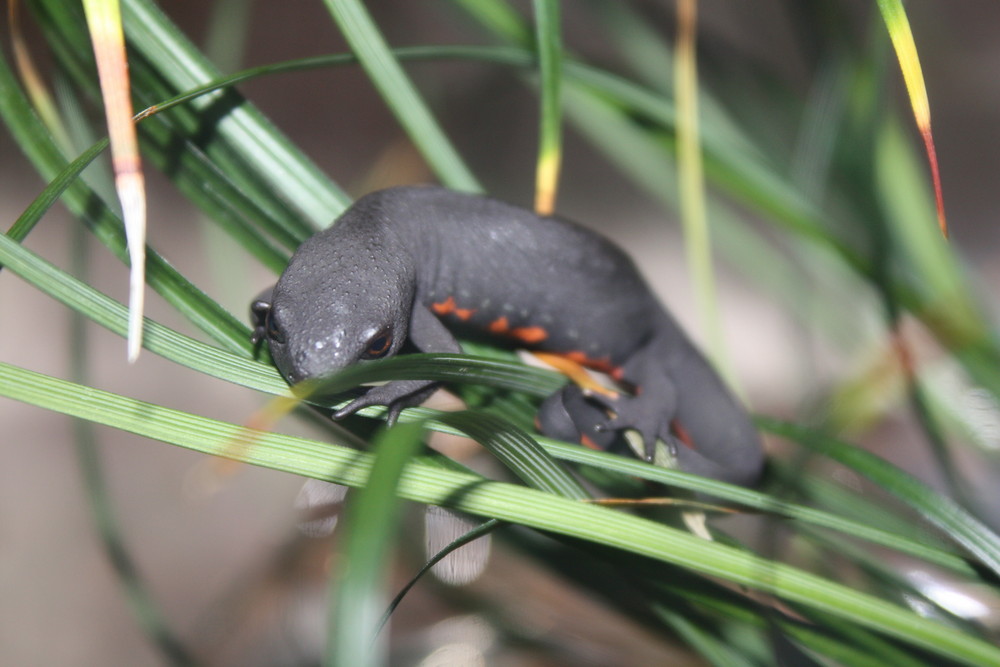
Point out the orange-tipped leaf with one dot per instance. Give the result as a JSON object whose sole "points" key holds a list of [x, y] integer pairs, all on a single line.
{"points": [[906, 52], [105, 23]]}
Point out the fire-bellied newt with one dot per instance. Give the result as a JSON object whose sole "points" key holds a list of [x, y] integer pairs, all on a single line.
{"points": [[413, 263]]}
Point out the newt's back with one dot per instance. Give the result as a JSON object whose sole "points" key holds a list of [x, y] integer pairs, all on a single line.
{"points": [[503, 268]]}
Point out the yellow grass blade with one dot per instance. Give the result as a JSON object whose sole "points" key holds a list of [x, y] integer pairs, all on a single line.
{"points": [[906, 51], [33, 83], [105, 23], [548, 45], [691, 180]]}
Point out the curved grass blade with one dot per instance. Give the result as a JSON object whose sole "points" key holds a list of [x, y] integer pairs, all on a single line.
{"points": [[512, 446], [939, 510], [502, 501], [481, 530], [367, 43], [263, 377], [898, 26], [357, 595], [99, 499], [789, 206], [35, 141], [517, 450], [50, 195], [246, 131], [441, 368], [548, 46], [40, 97], [159, 339], [274, 384]]}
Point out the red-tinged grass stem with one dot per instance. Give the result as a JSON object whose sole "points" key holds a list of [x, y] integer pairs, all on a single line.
{"points": [[104, 22]]}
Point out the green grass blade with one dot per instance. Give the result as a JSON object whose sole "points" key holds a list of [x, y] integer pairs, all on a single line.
{"points": [[502, 501], [928, 550], [691, 184], [548, 45], [233, 368], [38, 145], [219, 363], [939, 510], [517, 450], [152, 82], [53, 191], [245, 129], [399, 94], [112, 315], [444, 368], [358, 586]]}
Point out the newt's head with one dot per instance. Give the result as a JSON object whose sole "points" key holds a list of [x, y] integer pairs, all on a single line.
{"points": [[333, 306]]}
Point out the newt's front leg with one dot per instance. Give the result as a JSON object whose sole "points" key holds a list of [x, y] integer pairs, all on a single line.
{"points": [[427, 334]]}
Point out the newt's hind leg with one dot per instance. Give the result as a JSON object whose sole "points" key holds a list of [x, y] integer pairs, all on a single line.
{"points": [[569, 415], [650, 412]]}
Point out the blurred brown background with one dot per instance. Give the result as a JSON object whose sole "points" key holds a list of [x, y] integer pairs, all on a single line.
{"points": [[198, 547]]}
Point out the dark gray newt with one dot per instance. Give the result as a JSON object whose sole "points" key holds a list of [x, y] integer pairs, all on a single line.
{"points": [[411, 263]]}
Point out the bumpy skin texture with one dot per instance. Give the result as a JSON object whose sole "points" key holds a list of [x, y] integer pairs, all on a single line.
{"points": [[411, 263]]}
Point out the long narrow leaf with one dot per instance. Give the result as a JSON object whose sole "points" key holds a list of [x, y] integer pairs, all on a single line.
{"points": [[112, 315], [233, 368], [276, 160], [518, 451], [358, 585], [941, 511], [402, 98], [548, 45], [906, 51], [691, 180], [35, 141], [521, 505], [105, 22]]}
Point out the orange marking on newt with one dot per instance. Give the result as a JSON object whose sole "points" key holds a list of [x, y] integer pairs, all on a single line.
{"points": [[449, 307], [530, 335], [574, 371], [499, 326], [603, 365], [682, 434], [444, 307], [587, 442]]}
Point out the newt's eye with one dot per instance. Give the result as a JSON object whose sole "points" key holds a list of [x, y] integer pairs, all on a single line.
{"points": [[274, 332], [378, 346]]}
